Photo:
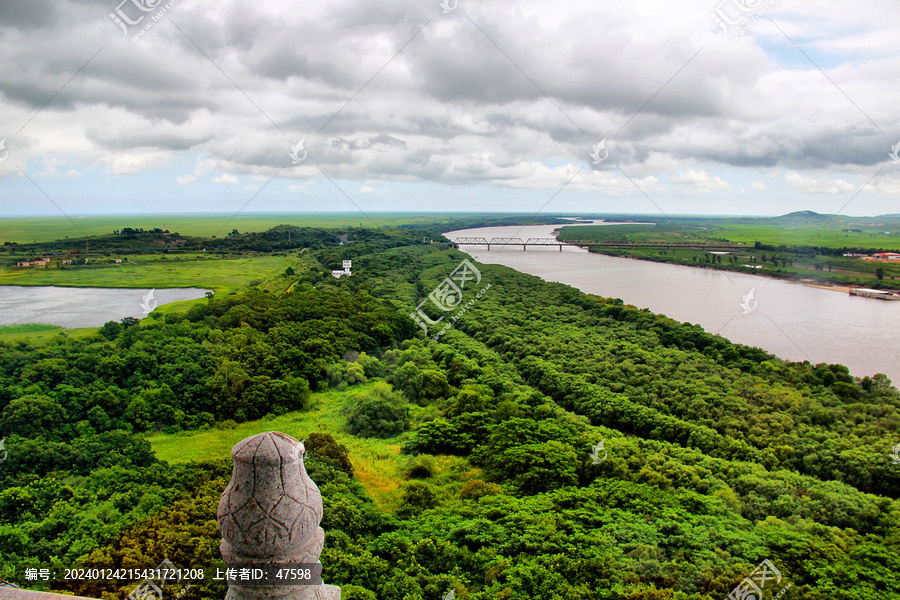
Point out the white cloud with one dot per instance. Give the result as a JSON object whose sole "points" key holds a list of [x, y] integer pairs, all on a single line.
{"points": [[451, 110], [226, 178], [701, 180], [133, 163], [808, 185]]}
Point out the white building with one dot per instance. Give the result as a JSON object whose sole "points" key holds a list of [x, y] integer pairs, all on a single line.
{"points": [[346, 271]]}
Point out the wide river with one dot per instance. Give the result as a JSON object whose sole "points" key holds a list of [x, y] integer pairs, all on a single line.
{"points": [[82, 307], [792, 321]]}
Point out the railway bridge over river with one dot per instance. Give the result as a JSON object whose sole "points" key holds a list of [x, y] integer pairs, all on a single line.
{"points": [[480, 241]]}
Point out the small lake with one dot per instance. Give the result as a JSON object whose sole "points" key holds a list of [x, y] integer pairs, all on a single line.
{"points": [[73, 307], [793, 321]]}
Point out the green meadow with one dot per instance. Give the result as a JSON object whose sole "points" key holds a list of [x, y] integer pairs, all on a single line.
{"points": [[157, 271], [24, 230], [803, 246], [377, 463], [798, 229]]}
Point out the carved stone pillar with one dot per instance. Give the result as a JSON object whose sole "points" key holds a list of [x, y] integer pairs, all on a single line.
{"points": [[269, 518]]}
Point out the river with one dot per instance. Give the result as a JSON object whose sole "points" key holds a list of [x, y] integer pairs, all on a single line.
{"points": [[793, 321], [82, 307]]}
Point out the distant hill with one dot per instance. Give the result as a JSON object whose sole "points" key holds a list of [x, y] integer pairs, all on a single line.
{"points": [[802, 217]]}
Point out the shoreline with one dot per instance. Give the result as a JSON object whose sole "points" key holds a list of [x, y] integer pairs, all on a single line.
{"points": [[835, 288]]}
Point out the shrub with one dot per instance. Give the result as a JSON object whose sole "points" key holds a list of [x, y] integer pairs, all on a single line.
{"points": [[326, 447], [372, 367], [421, 467], [379, 414], [476, 489], [416, 498], [354, 374], [110, 330]]}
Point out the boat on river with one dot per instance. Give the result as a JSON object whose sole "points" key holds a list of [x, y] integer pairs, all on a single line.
{"points": [[878, 294]]}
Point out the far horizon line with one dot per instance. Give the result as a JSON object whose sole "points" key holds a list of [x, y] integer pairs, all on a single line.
{"points": [[401, 212]]}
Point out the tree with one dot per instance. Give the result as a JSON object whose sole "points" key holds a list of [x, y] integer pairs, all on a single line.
{"points": [[110, 330], [34, 416], [536, 468], [879, 272], [434, 384], [409, 380], [138, 413], [372, 367], [129, 322], [379, 414], [326, 447], [471, 398], [416, 497], [354, 374], [476, 488]]}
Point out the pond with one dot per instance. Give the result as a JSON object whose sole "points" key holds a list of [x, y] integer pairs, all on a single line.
{"points": [[83, 307]]}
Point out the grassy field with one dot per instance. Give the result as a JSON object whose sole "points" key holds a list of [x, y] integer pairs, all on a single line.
{"points": [[797, 230], [157, 271], [28, 328], [810, 235], [25, 230], [43, 337], [377, 463], [820, 230]]}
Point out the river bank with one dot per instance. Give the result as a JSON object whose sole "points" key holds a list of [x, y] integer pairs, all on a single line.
{"points": [[793, 320]]}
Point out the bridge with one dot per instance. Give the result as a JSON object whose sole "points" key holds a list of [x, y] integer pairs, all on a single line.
{"points": [[480, 241]]}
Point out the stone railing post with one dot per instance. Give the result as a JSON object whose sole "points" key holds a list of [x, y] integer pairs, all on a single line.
{"points": [[269, 518]]}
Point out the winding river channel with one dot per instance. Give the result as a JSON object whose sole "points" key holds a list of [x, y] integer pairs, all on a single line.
{"points": [[793, 321]]}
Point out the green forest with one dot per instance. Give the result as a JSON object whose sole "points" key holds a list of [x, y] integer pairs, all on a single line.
{"points": [[715, 456]]}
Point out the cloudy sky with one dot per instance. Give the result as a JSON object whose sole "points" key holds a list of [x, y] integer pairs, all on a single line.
{"points": [[524, 106]]}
